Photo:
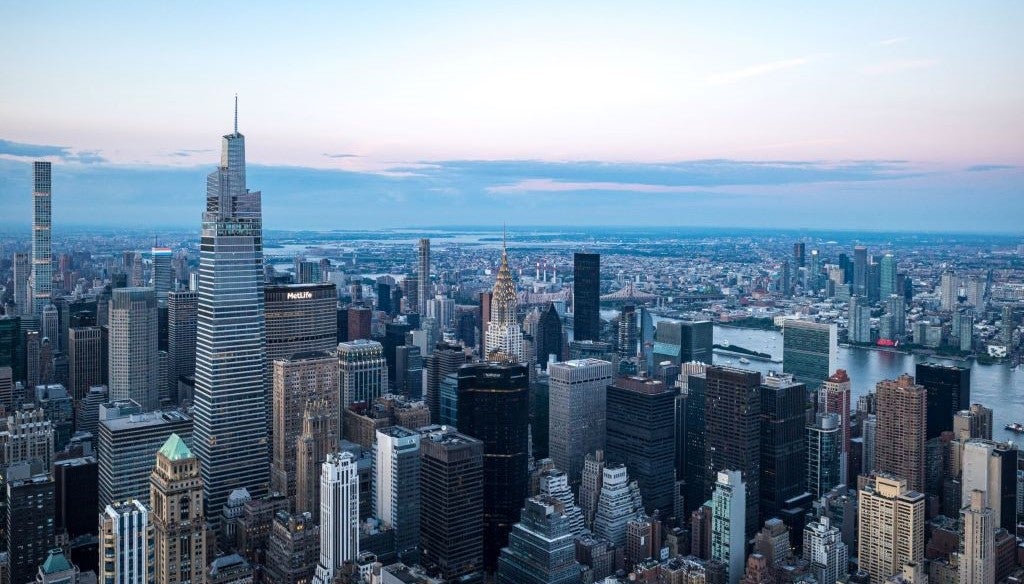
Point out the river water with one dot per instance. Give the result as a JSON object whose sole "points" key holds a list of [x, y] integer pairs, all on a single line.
{"points": [[997, 386]]}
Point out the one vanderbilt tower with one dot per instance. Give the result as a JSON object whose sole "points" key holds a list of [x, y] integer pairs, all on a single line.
{"points": [[230, 400]]}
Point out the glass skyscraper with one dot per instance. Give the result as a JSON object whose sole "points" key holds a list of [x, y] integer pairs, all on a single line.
{"points": [[230, 394], [41, 282]]}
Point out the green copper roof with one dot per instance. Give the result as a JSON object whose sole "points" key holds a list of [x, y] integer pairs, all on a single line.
{"points": [[175, 448], [56, 562]]}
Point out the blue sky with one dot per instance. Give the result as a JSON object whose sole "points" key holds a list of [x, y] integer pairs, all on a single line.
{"points": [[874, 115]]}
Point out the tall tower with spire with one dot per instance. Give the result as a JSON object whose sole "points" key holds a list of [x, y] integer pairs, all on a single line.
{"points": [[230, 396], [504, 335]]}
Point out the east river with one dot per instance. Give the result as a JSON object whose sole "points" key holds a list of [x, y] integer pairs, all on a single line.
{"points": [[998, 386]]}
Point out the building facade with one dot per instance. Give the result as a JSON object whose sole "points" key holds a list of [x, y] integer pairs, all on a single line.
{"points": [[577, 397], [176, 512]]}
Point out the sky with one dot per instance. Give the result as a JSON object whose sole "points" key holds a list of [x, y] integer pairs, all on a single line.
{"points": [[871, 115]]}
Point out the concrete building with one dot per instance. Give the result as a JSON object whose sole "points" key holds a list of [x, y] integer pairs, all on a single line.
{"points": [[576, 423], [978, 559], [177, 515], [890, 533], [728, 523], [900, 434], [396, 484], [540, 548], [363, 371], [339, 516], [133, 348], [126, 544]]}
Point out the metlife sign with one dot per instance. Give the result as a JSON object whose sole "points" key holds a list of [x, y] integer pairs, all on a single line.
{"points": [[306, 295]]}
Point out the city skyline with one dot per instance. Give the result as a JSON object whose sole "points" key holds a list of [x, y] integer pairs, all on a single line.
{"points": [[559, 112]]}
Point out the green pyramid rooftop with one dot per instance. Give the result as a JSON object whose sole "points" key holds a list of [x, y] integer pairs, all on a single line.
{"points": [[175, 448], [56, 562]]}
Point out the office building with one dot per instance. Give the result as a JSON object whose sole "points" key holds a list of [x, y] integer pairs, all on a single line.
{"points": [[949, 391], [358, 322], [860, 270], [554, 482], [126, 544], [293, 549], [58, 409], [230, 395], [298, 380], [586, 297], [824, 548], [396, 486], [409, 372], [732, 416], [834, 398], [229, 569], [540, 547], [163, 273], [84, 352], [28, 437], [126, 449], [41, 280], [690, 435], [176, 513], [900, 431], [590, 486], [576, 415], [949, 291], [182, 315], [890, 530], [977, 562], [991, 467], [300, 318], [887, 282], [28, 492], [493, 407], [627, 332], [12, 346], [339, 515], [824, 446], [363, 371], [549, 339], [683, 341], [641, 435], [783, 443], [617, 503], [484, 306], [728, 518], [56, 569], [974, 422], [445, 359], [75, 489], [809, 351], [452, 498], [133, 347], [22, 266], [504, 341], [317, 438]]}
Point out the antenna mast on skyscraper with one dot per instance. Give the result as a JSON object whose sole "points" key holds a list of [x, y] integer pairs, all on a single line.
{"points": [[236, 113]]}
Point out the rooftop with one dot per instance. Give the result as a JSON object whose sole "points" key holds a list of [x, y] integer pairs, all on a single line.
{"points": [[175, 448]]}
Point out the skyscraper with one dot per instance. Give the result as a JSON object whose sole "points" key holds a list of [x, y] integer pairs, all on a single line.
{"points": [[41, 281], [549, 336], [540, 548], [728, 518], [305, 378], [163, 274], [126, 536], [824, 443], [443, 360], [493, 407], [834, 398], [733, 432], [452, 495], [825, 550], [640, 435], [300, 318], [176, 512], [22, 274], [317, 439], [133, 347], [890, 532], [900, 434], [504, 335], [182, 313], [423, 276], [586, 296], [949, 290], [991, 467], [949, 391], [576, 423], [84, 352], [364, 371], [619, 501], [28, 496], [860, 270], [396, 486], [230, 394], [683, 341], [783, 443], [978, 560], [809, 351], [339, 515], [690, 435], [887, 283]]}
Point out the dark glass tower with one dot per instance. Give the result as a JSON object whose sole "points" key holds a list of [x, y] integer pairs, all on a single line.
{"points": [[493, 406], [690, 431], [641, 435], [949, 391], [732, 417], [230, 396], [586, 295], [549, 336], [783, 443]]}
